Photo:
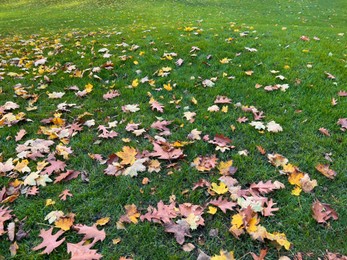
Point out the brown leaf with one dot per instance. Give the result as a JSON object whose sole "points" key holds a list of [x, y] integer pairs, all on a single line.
{"points": [[13, 248], [326, 171], [261, 149], [188, 247], [50, 241], [323, 212], [80, 251], [11, 228], [180, 230], [334, 256], [261, 256], [324, 131]]}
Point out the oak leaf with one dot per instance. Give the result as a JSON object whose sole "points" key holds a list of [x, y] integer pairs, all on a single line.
{"points": [[223, 204], [90, 232], [323, 212], [80, 251], [50, 241], [326, 171]]}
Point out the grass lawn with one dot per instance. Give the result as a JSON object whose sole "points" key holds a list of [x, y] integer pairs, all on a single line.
{"points": [[169, 61]]}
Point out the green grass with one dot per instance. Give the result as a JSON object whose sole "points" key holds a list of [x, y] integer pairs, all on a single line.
{"points": [[163, 22]]}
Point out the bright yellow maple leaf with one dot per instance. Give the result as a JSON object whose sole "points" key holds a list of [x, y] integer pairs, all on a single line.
{"points": [[89, 88], [223, 167], [102, 221], [212, 210], [219, 189], [64, 223], [296, 191], [127, 155], [135, 83], [224, 255], [295, 177]]}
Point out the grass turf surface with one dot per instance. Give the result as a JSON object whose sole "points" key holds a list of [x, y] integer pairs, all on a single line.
{"points": [[163, 23]]}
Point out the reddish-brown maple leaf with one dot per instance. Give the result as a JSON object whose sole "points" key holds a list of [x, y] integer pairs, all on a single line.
{"points": [[20, 135], [323, 212], [155, 105], [111, 94], [343, 123], [326, 171], [50, 241], [223, 204], [5, 214], [222, 100], [163, 213], [180, 230], [90, 232], [161, 125], [80, 251], [105, 133], [66, 176], [165, 151], [201, 183], [56, 166]]}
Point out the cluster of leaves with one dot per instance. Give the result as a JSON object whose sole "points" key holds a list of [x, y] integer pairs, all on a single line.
{"points": [[41, 156]]}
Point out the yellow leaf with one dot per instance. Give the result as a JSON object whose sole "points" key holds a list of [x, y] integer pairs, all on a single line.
{"points": [[252, 224], [88, 88], [280, 239], [168, 87], [225, 109], [194, 101], [296, 191], [127, 155], [223, 167], [212, 210], [237, 221], [116, 241], [224, 255], [135, 83], [49, 202], [295, 177], [102, 221], [219, 189], [64, 223]]}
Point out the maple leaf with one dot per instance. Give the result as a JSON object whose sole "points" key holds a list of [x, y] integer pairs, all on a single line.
{"points": [[323, 212], [189, 116], [50, 241], [5, 215], [226, 168], [55, 95], [20, 135], [65, 222], [223, 204], [163, 213], [66, 176], [127, 155], [90, 233], [326, 171], [224, 255], [7, 166], [194, 135], [257, 125], [165, 151], [80, 251], [111, 94], [131, 215], [180, 230], [343, 123], [161, 125], [130, 108], [277, 159], [273, 127], [306, 184], [136, 167], [155, 105], [219, 189], [205, 163], [55, 166]]}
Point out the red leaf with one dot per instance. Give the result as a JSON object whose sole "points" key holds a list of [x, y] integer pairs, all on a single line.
{"points": [[268, 210], [56, 166], [323, 212], [20, 135], [82, 252], [164, 213], [223, 204], [111, 94], [166, 152], [66, 176], [90, 232], [155, 105], [50, 242], [180, 230], [324, 131]]}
